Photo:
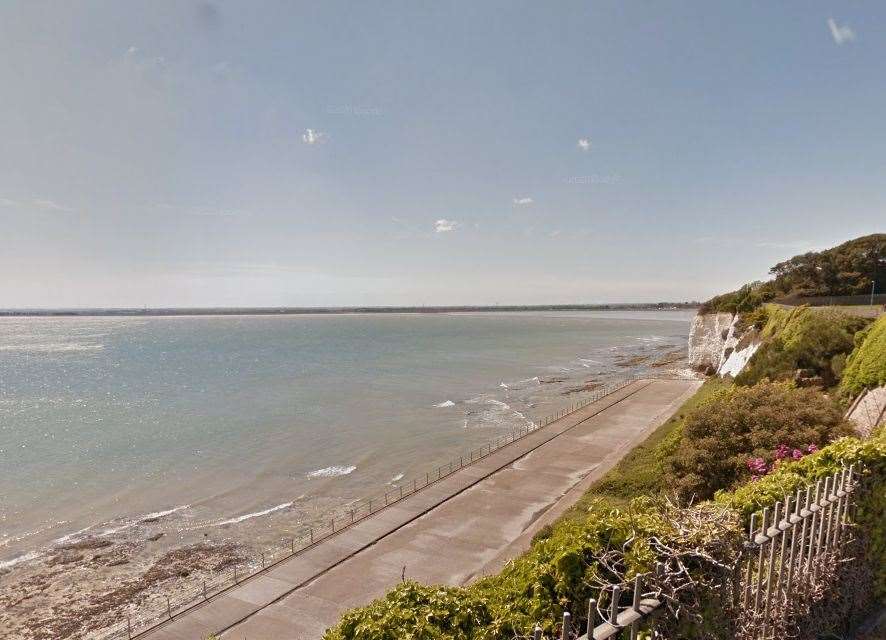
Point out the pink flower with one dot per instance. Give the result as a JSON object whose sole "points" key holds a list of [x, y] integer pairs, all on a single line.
{"points": [[811, 448], [796, 454], [757, 466]]}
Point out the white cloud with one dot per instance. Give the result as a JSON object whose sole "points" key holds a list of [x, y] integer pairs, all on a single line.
{"points": [[312, 136], [523, 201], [443, 225], [131, 52], [220, 213], [584, 144], [840, 34], [50, 205], [6, 202]]}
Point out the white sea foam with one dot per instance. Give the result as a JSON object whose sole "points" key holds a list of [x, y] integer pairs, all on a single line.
{"points": [[167, 512], [257, 514], [445, 403], [331, 472], [8, 564], [397, 478], [519, 384], [71, 536], [51, 347]]}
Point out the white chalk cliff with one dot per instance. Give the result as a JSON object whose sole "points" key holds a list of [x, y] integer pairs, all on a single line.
{"points": [[716, 345]]}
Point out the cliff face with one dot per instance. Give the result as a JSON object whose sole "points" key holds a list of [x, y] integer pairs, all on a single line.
{"points": [[717, 346], [707, 340]]}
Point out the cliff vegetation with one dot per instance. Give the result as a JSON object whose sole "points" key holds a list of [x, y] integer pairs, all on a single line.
{"points": [[848, 269]]}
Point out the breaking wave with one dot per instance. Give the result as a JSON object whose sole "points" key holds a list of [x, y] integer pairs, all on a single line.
{"points": [[256, 514], [51, 347], [331, 472], [445, 403]]}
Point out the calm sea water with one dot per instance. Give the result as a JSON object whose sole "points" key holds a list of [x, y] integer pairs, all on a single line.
{"points": [[267, 421]]}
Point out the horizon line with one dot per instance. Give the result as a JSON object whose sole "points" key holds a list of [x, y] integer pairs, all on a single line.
{"points": [[285, 310]]}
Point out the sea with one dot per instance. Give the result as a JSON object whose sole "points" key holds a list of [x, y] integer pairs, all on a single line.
{"points": [[249, 427]]}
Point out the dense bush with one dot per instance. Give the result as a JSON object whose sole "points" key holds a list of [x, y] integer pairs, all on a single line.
{"points": [[739, 423], [866, 367], [802, 338], [744, 300]]}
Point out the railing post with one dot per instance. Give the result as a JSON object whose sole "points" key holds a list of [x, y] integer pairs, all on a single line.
{"points": [[564, 632], [205, 597], [802, 568], [613, 609], [819, 498], [771, 570], [235, 574], [635, 625], [292, 546], [747, 575], [758, 592], [168, 608], [592, 617], [128, 627], [794, 519], [813, 507]]}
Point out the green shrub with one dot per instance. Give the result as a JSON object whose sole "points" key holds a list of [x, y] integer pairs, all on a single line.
{"points": [[868, 455], [866, 366], [642, 470], [801, 338], [740, 423]]}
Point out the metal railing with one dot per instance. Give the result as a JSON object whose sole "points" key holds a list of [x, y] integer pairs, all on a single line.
{"points": [[617, 620], [158, 609], [791, 550]]}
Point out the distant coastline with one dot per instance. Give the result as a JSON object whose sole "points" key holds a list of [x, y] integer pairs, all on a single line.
{"points": [[252, 311]]}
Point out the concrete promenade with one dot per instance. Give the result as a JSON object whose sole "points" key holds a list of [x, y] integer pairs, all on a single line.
{"points": [[466, 525]]}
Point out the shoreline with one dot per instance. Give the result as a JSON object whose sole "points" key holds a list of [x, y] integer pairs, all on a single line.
{"points": [[149, 555]]}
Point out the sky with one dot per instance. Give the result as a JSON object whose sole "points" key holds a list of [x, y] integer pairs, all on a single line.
{"points": [[219, 153]]}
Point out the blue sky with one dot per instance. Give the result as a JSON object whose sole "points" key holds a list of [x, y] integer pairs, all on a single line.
{"points": [[173, 153]]}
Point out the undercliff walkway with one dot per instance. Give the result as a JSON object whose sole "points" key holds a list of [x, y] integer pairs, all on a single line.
{"points": [[466, 525]]}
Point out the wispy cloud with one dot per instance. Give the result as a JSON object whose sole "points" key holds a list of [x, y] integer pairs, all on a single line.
{"points": [[444, 226], [218, 213], [50, 205], [43, 204], [584, 144], [787, 245], [521, 202], [312, 136], [840, 34], [140, 60]]}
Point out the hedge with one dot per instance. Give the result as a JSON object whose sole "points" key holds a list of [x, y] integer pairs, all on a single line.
{"points": [[866, 367]]}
